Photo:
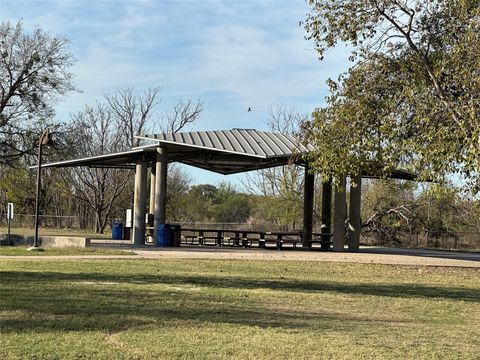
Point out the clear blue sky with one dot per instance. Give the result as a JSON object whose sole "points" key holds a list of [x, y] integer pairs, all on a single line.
{"points": [[229, 54]]}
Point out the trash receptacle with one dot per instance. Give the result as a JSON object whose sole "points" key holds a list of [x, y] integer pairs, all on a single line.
{"points": [[163, 235], [175, 235], [117, 230], [127, 233]]}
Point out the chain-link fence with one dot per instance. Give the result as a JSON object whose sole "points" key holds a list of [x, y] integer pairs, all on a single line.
{"points": [[50, 221], [234, 226], [452, 240]]}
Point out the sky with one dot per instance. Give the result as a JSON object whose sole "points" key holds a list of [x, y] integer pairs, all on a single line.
{"points": [[231, 55]]}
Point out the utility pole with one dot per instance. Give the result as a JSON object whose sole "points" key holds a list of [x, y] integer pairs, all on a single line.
{"points": [[45, 139]]}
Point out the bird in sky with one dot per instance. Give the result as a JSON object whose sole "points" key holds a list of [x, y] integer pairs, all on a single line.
{"points": [[249, 109]]}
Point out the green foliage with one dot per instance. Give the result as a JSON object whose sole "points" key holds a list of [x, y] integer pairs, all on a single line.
{"points": [[389, 210], [178, 184], [399, 213], [443, 212], [413, 98], [17, 185], [222, 204], [199, 202], [230, 206], [286, 213]]}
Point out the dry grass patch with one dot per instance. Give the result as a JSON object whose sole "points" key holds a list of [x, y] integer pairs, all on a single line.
{"points": [[67, 251]]}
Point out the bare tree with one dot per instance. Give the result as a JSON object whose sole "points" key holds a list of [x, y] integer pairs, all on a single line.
{"points": [[275, 181], [132, 112], [283, 184], [96, 133], [111, 127], [184, 113], [33, 77]]}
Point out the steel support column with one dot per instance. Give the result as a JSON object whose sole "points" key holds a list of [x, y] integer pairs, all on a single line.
{"points": [[326, 212], [139, 203], [354, 215], [309, 187], [160, 189], [339, 215], [151, 207]]}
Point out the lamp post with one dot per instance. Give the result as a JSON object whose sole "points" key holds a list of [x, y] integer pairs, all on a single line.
{"points": [[45, 139]]}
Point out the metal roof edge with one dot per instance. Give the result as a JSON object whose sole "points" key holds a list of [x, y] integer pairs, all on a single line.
{"points": [[203, 147], [95, 157]]}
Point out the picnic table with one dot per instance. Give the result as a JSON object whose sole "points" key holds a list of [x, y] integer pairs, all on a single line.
{"points": [[241, 238]]}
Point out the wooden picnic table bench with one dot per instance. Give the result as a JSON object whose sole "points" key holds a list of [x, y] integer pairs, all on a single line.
{"points": [[279, 238], [191, 239]]}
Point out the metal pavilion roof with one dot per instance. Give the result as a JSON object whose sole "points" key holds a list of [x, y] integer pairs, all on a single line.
{"points": [[222, 151], [249, 142]]}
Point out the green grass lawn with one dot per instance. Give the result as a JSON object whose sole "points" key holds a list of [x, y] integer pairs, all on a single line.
{"points": [[236, 309], [22, 251]]}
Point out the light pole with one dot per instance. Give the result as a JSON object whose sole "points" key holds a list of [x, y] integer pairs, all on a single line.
{"points": [[45, 139]]}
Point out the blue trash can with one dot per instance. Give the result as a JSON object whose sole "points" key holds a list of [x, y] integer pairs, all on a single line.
{"points": [[117, 230], [163, 235]]}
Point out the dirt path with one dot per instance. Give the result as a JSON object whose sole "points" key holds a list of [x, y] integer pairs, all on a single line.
{"points": [[375, 256], [366, 255]]}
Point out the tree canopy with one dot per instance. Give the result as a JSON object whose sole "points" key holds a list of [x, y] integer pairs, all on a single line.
{"points": [[411, 98]]}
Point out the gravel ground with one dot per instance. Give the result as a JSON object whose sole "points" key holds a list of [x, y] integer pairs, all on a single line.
{"points": [[371, 255], [375, 255]]}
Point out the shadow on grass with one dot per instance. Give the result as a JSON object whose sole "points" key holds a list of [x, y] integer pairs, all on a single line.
{"points": [[75, 302], [222, 281], [88, 308], [81, 315], [429, 253]]}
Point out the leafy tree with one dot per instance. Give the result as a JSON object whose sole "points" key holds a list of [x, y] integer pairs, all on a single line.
{"points": [[412, 98], [389, 211], [230, 206], [199, 202], [17, 185], [222, 204], [443, 213], [178, 185], [403, 213], [33, 77], [474, 214]]}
